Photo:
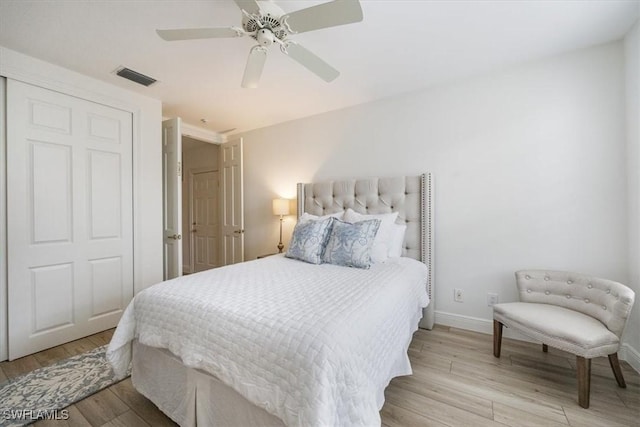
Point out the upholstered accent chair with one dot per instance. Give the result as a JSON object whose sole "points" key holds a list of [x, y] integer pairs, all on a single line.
{"points": [[574, 312]]}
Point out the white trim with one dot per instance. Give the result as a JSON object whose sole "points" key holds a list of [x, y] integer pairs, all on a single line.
{"points": [[198, 133], [476, 324], [630, 355], [4, 331], [147, 154]]}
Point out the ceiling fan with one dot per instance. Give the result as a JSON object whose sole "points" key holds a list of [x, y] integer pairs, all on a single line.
{"points": [[267, 23]]}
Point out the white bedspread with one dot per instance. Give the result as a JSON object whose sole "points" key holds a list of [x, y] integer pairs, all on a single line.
{"points": [[314, 345]]}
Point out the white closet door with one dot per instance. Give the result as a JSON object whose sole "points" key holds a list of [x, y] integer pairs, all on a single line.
{"points": [[70, 232]]}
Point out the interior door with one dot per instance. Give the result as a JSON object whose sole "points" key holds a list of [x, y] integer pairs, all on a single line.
{"points": [[232, 206], [70, 226], [205, 225], [172, 196]]}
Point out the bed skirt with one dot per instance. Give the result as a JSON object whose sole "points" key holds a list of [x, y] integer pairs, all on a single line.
{"points": [[191, 397]]}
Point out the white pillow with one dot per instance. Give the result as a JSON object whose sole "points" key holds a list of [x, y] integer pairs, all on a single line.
{"points": [[397, 241], [383, 241], [308, 217]]}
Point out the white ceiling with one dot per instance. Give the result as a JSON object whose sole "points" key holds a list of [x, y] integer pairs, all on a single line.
{"points": [[399, 47]]}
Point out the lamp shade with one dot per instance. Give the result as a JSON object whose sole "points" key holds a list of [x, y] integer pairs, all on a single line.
{"points": [[280, 207]]}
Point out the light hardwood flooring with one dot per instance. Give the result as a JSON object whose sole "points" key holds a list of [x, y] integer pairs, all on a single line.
{"points": [[456, 382]]}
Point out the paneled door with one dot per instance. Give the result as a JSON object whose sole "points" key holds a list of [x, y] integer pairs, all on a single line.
{"points": [[205, 226], [70, 231], [232, 206], [172, 197]]}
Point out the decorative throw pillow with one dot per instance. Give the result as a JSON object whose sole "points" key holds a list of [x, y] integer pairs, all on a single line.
{"points": [[350, 244], [308, 240], [383, 242]]}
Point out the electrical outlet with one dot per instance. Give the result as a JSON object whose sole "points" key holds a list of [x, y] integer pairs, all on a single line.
{"points": [[492, 299], [457, 295]]}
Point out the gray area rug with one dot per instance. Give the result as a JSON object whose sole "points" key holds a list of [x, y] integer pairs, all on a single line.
{"points": [[45, 392]]}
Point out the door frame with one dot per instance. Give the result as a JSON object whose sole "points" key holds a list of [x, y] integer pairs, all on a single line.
{"points": [[192, 246], [197, 134], [147, 169]]}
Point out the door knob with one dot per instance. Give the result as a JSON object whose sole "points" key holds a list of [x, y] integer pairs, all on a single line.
{"points": [[176, 237], [193, 231], [238, 231]]}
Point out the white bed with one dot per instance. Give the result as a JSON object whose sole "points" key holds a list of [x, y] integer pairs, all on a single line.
{"points": [[282, 342]]}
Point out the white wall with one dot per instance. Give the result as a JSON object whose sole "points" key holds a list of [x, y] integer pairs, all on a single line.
{"points": [[147, 114], [529, 170], [632, 90]]}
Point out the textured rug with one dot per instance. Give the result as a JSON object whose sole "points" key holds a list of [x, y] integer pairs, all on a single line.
{"points": [[45, 392]]}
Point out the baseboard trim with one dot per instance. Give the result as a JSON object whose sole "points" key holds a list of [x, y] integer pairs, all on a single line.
{"points": [[476, 324], [630, 355], [485, 326]]}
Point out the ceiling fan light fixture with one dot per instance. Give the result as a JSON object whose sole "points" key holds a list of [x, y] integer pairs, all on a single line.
{"points": [[265, 37]]}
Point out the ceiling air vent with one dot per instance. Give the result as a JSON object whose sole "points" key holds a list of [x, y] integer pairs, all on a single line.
{"points": [[135, 76]]}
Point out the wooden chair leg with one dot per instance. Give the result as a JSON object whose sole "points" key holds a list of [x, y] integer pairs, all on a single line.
{"points": [[617, 372], [545, 348], [584, 381], [497, 338]]}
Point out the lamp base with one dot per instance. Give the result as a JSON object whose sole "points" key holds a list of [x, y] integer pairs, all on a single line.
{"points": [[280, 244]]}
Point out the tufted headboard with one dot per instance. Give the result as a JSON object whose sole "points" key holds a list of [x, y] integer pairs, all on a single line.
{"points": [[410, 196]]}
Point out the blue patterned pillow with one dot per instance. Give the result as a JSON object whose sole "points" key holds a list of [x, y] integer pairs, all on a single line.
{"points": [[350, 244], [308, 240]]}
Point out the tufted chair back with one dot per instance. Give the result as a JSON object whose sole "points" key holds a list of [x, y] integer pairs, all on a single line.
{"points": [[608, 301]]}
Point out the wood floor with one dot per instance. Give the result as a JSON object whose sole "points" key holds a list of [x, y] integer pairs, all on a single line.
{"points": [[456, 382]]}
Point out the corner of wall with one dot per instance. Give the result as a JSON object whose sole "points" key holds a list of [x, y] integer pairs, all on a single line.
{"points": [[631, 356], [4, 330], [631, 340]]}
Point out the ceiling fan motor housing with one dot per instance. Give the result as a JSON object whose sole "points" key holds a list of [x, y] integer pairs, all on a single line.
{"points": [[266, 25]]}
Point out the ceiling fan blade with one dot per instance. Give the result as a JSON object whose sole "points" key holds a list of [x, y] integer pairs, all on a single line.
{"points": [[255, 64], [250, 6], [312, 62], [331, 14], [197, 33]]}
